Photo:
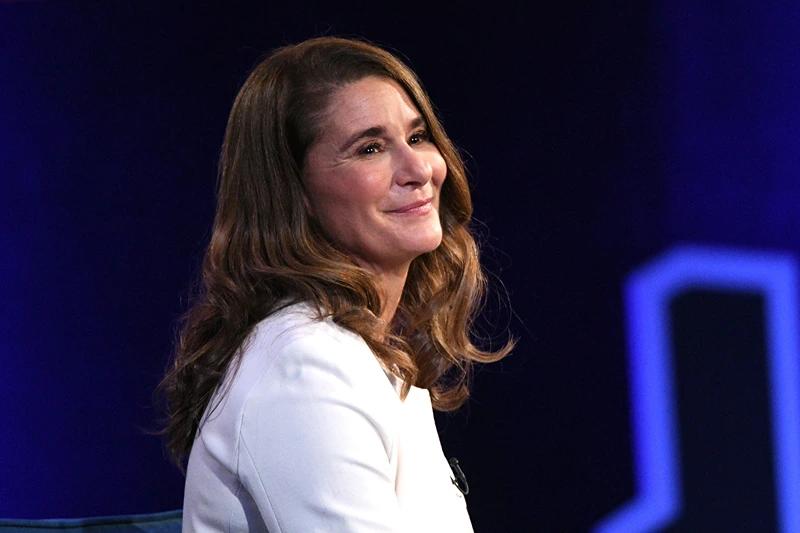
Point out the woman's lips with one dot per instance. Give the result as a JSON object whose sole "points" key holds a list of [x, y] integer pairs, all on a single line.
{"points": [[418, 207]]}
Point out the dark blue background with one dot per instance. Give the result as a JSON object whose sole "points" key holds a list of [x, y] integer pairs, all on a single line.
{"points": [[596, 137]]}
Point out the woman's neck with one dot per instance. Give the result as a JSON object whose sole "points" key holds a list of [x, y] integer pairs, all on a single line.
{"points": [[391, 281], [390, 286]]}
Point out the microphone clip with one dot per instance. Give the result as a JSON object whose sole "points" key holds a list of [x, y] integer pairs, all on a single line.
{"points": [[460, 480]]}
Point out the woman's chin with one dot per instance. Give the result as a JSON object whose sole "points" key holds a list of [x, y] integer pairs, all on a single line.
{"points": [[426, 245]]}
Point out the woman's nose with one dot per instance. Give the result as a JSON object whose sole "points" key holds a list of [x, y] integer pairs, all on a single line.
{"points": [[413, 167]]}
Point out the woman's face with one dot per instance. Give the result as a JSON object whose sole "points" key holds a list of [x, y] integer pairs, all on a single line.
{"points": [[373, 178]]}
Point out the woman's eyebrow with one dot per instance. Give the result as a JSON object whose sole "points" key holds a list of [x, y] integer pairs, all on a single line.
{"points": [[416, 123]]}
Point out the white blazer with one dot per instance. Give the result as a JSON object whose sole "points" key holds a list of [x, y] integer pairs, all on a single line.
{"points": [[309, 435]]}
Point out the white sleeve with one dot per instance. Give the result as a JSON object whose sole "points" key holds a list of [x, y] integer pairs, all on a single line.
{"points": [[316, 440]]}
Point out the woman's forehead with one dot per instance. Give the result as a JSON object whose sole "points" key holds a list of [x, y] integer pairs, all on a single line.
{"points": [[368, 103]]}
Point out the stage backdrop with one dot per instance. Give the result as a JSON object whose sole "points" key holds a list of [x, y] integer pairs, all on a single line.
{"points": [[635, 177]]}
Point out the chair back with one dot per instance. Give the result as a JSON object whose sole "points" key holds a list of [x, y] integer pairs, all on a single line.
{"points": [[166, 522]]}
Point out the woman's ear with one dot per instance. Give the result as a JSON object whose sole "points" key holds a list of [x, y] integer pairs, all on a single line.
{"points": [[306, 199], [309, 207]]}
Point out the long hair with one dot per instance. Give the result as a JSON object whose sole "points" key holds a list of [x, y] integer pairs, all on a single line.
{"points": [[266, 252]]}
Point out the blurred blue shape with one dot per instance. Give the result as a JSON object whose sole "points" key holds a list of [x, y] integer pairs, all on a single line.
{"points": [[648, 292]]}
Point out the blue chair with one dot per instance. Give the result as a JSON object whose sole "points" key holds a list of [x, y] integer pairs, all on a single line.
{"points": [[167, 522]]}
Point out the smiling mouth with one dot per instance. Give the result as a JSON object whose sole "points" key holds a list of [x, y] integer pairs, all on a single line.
{"points": [[422, 206]]}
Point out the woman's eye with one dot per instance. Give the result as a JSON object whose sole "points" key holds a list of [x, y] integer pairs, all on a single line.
{"points": [[370, 149], [418, 137]]}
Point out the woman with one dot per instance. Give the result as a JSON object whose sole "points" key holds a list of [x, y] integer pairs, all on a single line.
{"points": [[336, 298]]}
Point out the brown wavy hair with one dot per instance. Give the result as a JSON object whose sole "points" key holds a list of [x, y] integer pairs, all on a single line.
{"points": [[266, 252]]}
